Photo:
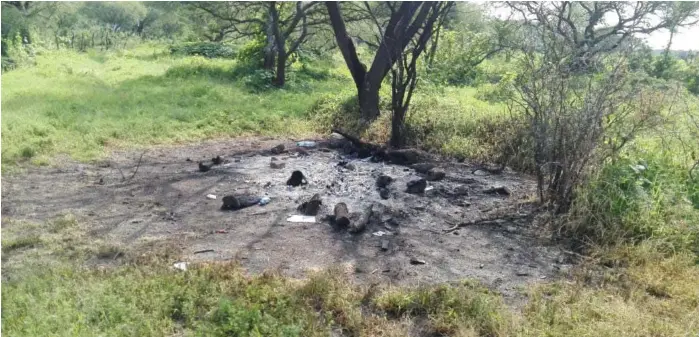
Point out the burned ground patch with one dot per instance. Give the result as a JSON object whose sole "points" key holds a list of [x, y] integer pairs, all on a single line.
{"points": [[457, 228]]}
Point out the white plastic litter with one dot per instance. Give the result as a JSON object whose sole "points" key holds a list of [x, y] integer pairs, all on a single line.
{"points": [[381, 233], [181, 265], [211, 196], [264, 201], [302, 218], [429, 188]]}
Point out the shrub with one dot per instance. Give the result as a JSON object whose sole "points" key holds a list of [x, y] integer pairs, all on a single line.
{"points": [[206, 49]]}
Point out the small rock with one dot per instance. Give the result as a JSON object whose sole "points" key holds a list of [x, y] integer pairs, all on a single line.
{"points": [[415, 261], [480, 173], [499, 190], [264, 201], [416, 186], [217, 160], [350, 167], [480, 266], [511, 229], [211, 197], [279, 149], [435, 175]]}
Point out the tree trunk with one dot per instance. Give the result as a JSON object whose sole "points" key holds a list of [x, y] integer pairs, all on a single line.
{"points": [[398, 128], [368, 95], [269, 46], [280, 77]]}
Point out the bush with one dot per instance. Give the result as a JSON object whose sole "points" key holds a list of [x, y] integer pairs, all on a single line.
{"points": [[632, 200], [206, 49]]}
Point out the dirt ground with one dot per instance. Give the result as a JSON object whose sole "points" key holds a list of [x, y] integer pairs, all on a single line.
{"points": [[166, 200]]}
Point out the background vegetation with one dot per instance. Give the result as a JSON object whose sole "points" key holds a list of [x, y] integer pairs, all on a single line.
{"points": [[81, 79]]}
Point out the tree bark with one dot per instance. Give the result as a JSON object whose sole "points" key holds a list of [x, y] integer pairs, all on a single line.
{"points": [[280, 75], [269, 46]]}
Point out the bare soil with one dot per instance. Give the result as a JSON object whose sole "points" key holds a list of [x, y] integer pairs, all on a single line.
{"points": [[166, 201]]}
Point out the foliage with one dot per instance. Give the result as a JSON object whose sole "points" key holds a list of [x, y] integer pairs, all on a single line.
{"points": [[206, 49]]}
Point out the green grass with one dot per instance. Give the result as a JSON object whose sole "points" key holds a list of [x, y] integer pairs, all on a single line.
{"points": [[56, 289], [79, 104]]}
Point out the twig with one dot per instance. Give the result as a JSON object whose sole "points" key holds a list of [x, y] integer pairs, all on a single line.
{"points": [[137, 166], [203, 251]]}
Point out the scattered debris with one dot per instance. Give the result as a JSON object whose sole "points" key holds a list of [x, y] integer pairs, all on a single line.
{"points": [[307, 143], [203, 167], [221, 231], [415, 261], [350, 167], [364, 218], [203, 251], [522, 273], [385, 245], [188, 159], [380, 233], [211, 196], [181, 265], [341, 214], [429, 188], [217, 160], [301, 218], [264, 201], [312, 206], [279, 149], [480, 266], [435, 175], [297, 178], [499, 190], [383, 181], [417, 186], [479, 173]]}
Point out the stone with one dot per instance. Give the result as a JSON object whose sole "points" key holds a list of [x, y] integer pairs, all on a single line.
{"points": [[416, 186], [385, 245], [279, 149]]}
